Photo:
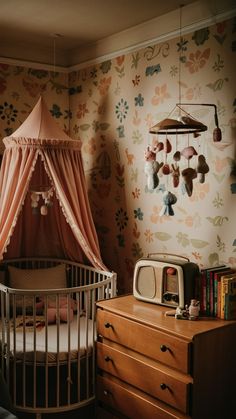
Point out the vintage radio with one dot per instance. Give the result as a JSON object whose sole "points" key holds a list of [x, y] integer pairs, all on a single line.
{"points": [[165, 279]]}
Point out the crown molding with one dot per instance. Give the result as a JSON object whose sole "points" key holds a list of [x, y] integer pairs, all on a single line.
{"points": [[36, 65], [165, 36], [194, 17]]}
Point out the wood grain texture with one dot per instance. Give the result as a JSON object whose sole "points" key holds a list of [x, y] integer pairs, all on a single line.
{"points": [[197, 365]]}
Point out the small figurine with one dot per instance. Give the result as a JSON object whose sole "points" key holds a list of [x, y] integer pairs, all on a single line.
{"points": [[151, 168], [175, 174], [193, 309], [190, 312], [180, 313]]}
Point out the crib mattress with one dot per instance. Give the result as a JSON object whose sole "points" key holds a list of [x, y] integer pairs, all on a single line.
{"points": [[52, 343]]}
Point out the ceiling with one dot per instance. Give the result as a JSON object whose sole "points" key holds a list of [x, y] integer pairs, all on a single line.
{"points": [[50, 31]]}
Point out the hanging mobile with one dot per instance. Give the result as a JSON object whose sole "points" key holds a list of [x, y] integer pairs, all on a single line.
{"points": [[169, 198]]}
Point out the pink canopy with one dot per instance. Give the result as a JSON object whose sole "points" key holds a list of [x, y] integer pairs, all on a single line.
{"points": [[42, 172]]}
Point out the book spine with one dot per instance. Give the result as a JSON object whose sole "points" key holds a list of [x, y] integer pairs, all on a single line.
{"points": [[211, 291], [203, 293], [208, 294], [224, 290], [215, 296], [230, 300], [219, 299]]}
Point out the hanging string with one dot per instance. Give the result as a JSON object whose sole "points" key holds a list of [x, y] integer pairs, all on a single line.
{"points": [[54, 56], [180, 51], [55, 36]]}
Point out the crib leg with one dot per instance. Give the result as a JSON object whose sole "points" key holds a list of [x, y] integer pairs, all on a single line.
{"points": [[38, 416]]}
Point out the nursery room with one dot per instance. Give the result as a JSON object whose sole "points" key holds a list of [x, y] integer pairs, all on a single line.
{"points": [[117, 209]]}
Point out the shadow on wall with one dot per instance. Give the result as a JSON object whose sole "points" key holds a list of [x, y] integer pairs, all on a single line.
{"points": [[107, 194]]}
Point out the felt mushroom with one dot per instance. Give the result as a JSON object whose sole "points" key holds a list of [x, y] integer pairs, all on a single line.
{"points": [[202, 168], [169, 199], [189, 174], [189, 152]]}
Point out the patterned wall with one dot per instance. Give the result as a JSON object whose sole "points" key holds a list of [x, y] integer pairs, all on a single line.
{"points": [[110, 108], [20, 89], [113, 106]]}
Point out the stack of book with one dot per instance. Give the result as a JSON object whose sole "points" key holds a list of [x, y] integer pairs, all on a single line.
{"points": [[217, 292]]}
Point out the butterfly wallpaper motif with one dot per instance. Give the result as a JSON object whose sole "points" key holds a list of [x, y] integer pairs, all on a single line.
{"points": [[110, 107]]}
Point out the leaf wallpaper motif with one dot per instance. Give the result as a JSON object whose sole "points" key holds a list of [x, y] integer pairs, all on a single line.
{"points": [[142, 88], [110, 107], [20, 89]]}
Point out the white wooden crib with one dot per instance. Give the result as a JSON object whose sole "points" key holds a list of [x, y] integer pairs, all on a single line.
{"points": [[48, 332]]}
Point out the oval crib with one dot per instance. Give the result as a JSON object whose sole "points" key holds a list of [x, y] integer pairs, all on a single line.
{"points": [[48, 332]]}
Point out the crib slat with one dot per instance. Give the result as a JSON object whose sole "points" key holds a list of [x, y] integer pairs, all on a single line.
{"points": [[69, 353], [40, 380], [58, 353], [46, 352]]}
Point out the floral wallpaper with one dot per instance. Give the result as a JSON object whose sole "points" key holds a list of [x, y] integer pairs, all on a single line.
{"points": [[110, 107], [117, 103], [20, 89]]}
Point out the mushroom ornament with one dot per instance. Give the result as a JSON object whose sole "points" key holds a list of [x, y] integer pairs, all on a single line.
{"points": [[202, 168], [188, 175], [188, 152]]}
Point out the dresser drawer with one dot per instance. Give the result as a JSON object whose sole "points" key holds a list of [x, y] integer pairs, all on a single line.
{"points": [[146, 340], [106, 414], [147, 375], [132, 403]]}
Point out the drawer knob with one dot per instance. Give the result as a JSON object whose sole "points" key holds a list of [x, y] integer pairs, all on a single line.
{"points": [[106, 392], [163, 348], [107, 358], [163, 386], [107, 325]]}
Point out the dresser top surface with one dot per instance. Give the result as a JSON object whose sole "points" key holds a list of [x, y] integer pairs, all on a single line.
{"points": [[155, 316]]}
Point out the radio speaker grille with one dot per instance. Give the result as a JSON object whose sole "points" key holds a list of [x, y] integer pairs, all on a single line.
{"points": [[146, 285]]}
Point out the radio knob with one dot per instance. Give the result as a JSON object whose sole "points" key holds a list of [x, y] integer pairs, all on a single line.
{"points": [[175, 298], [163, 348], [107, 325], [167, 296]]}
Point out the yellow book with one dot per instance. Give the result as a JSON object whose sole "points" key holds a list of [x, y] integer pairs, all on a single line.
{"points": [[225, 284]]}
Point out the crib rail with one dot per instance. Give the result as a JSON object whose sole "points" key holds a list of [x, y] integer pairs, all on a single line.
{"points": [[47, 337]]}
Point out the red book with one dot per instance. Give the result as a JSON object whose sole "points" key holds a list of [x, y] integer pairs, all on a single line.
{"points": [[207, 289]]}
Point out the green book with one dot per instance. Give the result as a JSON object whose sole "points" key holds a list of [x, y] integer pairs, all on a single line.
{"points": [[230, 300]]}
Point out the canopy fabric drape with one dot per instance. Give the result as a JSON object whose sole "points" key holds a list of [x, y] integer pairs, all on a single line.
{"points": [[37, 154]]}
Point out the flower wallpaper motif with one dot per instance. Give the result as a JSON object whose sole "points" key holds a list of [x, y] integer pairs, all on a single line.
{"points": [[20, 89], [110, 108], [123, 98]]}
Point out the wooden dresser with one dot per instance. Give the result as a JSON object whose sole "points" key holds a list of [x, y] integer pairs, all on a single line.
{"points": [[154, 366]]}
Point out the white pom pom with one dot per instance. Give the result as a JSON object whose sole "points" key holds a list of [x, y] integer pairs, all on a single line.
{"points": [[43, 210], [34, 204], [34, 197]]}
